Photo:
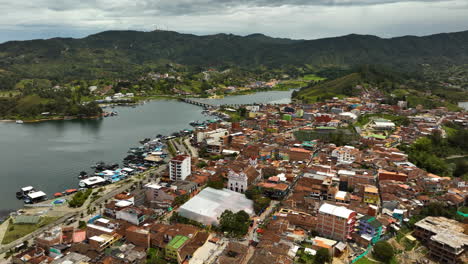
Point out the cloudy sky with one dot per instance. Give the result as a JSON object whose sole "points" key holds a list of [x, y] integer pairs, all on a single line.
{"points": [[299, 19]]}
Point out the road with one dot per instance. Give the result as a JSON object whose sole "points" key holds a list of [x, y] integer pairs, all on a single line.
{"points": [[252, 235]]}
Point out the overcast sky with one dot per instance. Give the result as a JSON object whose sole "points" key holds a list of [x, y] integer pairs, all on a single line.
{"points": [[299, 19]]}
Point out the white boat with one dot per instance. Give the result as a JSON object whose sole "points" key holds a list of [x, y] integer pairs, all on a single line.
{"points": [[19, 121], [92, 182], [34, 197]]}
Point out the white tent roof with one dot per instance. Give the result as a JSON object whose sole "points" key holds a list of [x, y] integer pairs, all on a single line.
{"points": [[339, 211], [210, 203]]}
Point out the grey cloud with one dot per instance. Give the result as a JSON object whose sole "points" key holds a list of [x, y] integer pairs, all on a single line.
{"points": [[184, 7]]}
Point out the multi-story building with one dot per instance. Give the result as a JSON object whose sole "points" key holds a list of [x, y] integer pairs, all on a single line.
{"points": [[335, 222], [370, 229], [180, 168], [371, 194], [346, 154], [444, 238]]}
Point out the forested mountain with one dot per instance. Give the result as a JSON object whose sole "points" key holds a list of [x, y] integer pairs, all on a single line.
{"points": [[120, 54]]}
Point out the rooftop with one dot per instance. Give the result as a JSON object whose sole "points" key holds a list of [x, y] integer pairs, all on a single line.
{"points": [[177, 242], [447, 231], [339, 211]]}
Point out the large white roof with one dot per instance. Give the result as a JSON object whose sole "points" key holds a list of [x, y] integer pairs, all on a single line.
{"points": [[210, 203], [339, 211]]}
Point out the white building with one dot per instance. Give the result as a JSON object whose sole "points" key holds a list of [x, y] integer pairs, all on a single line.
{"points": [[131, 214], [383, 124], [346, 154], [180, 167], [213, 135], [210, 203], [239, 177]]}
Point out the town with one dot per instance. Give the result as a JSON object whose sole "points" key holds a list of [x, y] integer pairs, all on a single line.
{"points": [[338, 181]]}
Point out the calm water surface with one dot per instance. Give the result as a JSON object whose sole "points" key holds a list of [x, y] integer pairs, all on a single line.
{"points": [[50, 155]]}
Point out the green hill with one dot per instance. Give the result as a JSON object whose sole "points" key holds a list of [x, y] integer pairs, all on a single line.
{"points": [[122, 54]]}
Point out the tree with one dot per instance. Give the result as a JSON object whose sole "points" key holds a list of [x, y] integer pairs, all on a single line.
{"points": [[81, 224], [322, 256], [215, 184], [181, 199], [234, 224], [260, 204], [383, 251]]}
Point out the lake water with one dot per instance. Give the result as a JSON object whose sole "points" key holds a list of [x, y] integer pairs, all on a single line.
{"points": [[49, 155]]}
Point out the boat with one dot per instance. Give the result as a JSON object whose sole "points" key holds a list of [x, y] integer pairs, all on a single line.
{"points": [[196, 123], [59, 194], [23, 192], [70, 191], [83, 175], [35, 197], [19, 121], [92, 182]]}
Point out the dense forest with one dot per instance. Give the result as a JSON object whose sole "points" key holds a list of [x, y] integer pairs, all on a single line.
{"points": [[126, 54]]}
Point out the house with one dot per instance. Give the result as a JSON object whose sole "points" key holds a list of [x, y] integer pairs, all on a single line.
{"points": [[234, 253], [391, 175], [132, 215]]}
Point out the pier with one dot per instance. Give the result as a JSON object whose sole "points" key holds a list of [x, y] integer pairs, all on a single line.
{"points": [[213, 106]]}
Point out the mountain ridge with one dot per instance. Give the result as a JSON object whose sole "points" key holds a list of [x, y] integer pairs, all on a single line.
{"points": [[124, 53]]}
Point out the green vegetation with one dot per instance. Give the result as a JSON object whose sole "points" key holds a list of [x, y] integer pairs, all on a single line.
{"points": [[125, 54], [180, 200], [79, 198], [82, 225], [155, 256], [176, 218], [429, 152], [16, 231], [435, 209], [260, 201], [383, 251], [365, 260], [398, 120], [322, 256], [234, 224], [215, 184], [341, 87]]}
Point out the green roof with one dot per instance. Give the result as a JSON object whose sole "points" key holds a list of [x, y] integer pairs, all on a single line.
{"points": [[322, 127], [177, 242], [378, 136], [309, 143]]}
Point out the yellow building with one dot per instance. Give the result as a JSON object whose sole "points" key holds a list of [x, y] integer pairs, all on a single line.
{"points": [[371, 194]]}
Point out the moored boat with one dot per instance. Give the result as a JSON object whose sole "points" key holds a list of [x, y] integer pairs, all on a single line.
{"points": [[23, 192]]}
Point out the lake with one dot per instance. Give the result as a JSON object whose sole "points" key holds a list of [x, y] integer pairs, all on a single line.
{"points": [[50, 155]]}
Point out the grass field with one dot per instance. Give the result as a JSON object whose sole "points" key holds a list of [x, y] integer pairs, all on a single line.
{"points": [[365, 260], [15, 231], [313, 77], [9, 93]]}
